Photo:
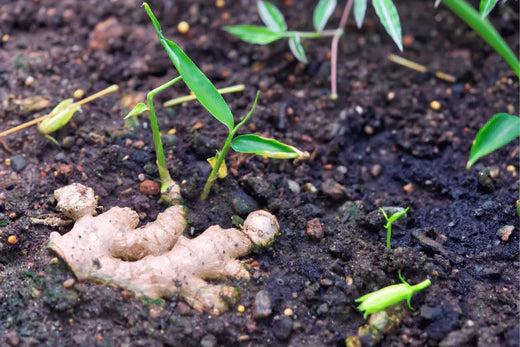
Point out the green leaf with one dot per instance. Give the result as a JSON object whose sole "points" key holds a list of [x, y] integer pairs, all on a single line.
{"points": [[360, 8], [198, 83], [297, 48], [137, 110], [271, 16], [254, 34], [499, 131], [486, 6], [387, 13], [397, 215], [322, 13], [266, 147]]}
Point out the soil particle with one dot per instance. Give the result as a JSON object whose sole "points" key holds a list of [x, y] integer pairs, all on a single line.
{"points": [[18, 163], [242, 203], [149, 187], [282, 327], [314, 229], [262, 305], [463, 337], [505, 232], [12, 338], [333, 189], [352, 210], [106, 35]]}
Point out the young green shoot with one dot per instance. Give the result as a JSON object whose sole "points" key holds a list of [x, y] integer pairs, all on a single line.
{"points": [[182, 99], [389, 221], [209, 97], [60, 115], [276, 28], [388, 296]]}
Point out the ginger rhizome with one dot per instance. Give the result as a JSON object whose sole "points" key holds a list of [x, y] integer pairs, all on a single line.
{"points": [[156, 260]]}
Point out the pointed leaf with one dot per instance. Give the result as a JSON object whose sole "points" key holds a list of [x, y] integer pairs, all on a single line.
{"points": [[198, 83], [266, 147], [360, 8], [297, 48], [254, 34], [387, 13], [397, 215], [486, 6], [498, 132], [137, 110], [271, 16], [322, 13]]}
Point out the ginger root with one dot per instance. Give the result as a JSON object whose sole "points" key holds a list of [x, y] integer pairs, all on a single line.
{"points": [[155, 260]]}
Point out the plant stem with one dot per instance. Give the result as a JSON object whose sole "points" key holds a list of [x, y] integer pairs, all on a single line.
{"points": [[420, 286], [334, 50], [181, 99], [225, 149], [486, 30], [313, 34], [159, 150], [388, 235]]}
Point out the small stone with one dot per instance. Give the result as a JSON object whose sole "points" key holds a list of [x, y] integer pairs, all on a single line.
{"points": [[12, 240], [68, 142], [105, 35], [435, 105], [484, 181], [69, 282], [262, 305], [241, 308], [12, 338], [282, 327], [155, 311], [183, 309], [183, 27], [18, 163], [333, 189], [464, 337], [390, 96], [78, 94], [352, 210], [169, 139], [288, 312], [375, 170], [494, 172], [368, 130], [314, 229], [326, 282], [310, 188], [138, 144], [149, 187], [141, 177], [409, 188], [29, 81], [408, 40], [242, 203], [322, 309], [209, 341], [65, 169], [505, 232], [293, 186]]}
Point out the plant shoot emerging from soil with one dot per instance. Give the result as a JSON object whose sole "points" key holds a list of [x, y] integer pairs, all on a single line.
{"points": [[389, 221], [388, 296], [209, 97], [276, 28]]}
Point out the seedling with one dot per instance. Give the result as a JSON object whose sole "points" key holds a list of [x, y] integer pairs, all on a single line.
{"points": [[499, 131], [276, 28], [389, 222], [391, 295], [60, 115], [209, 97]]}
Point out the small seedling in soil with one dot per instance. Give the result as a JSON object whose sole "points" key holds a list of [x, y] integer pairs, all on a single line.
{"points": [[60, 115], [276, 28], [388, 296], [389, 222], [155, 260], [209, 97]]}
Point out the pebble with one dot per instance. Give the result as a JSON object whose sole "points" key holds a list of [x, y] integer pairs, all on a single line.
{"points": [[326, 282], [69, 282], [12, 338], [282, 327], [68, 142], [435, 105], [409, 188], [149, 187], [105, 35], [293, 186], [262, 305], [310, 188], [456, 338], [241, 309], [484, 181], [505, 232], [29, 81], [288, 312], [169, 139], [242, 203], [209, 341], [375, 170], [155, 311], [333, 189], [183, 27], [352, 210], [314, 229], [18, 163], [322, 309], [12, 240], [141, 177]]}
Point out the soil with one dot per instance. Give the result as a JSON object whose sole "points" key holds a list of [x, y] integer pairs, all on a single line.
{"points": [[382, 150]]}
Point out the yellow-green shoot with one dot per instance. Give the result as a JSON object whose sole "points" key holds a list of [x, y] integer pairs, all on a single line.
{"points": [[389, 221], [210, 98], [388, 296]]}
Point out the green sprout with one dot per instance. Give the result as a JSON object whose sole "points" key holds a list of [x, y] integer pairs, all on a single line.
{"points": [[389, 221], [276, 28], [209, 97], [388, 296]]}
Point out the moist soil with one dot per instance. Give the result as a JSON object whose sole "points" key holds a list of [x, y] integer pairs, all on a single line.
{"points": [[379, 144]]}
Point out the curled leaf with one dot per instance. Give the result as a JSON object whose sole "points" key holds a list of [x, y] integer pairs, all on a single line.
{"points": [[222, 170], [266, 147], [62, 115], [254, 34]]}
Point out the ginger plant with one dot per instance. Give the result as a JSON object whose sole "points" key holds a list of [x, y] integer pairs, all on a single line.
{"points": [[209, 97], [155, 260]]}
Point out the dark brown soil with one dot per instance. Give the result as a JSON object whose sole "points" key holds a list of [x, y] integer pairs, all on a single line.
{"points": [[450, 234]]}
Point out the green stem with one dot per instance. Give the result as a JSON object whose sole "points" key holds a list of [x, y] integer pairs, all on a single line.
{"points": [[485, 30], [225, 149], [181, 99], [159, 150], [313, 34], [388, 235], [420, 286]]}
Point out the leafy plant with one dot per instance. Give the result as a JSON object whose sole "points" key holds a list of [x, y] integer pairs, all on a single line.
{"points": [[214, 103], [276, 28], [391, 295], [497, 132], [389, 221]]}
